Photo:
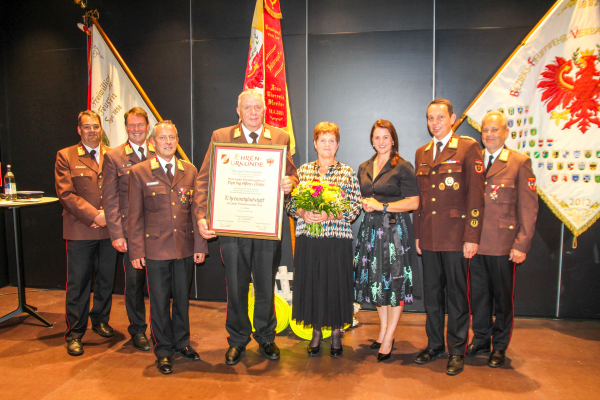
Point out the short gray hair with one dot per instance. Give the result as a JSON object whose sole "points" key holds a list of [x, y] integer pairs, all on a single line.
{"points": [[502, 116], [89, 113], [252, 92], [161, 123]]}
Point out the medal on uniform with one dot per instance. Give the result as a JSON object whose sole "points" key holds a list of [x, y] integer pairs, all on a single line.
{"points": [[449, 181], [442, 186], [182, 196], [494, 194], [455, 186]]}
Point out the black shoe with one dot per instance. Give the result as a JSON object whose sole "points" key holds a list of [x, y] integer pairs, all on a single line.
{"points": [[375, 345], [456, 364], [140, 342], [189, 353], [335, 353], [270, 350], [74, 347], [103, 330], [382, 357], [313, 351], [497, 358], [475, 349], [428, 355], [164, 365], [234, 355]]}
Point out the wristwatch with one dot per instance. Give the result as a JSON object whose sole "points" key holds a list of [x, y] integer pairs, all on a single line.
{"points": [[385, 206]]}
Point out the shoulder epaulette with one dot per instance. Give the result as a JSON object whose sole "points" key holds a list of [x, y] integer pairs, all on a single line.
{"points": [[468, 137]]}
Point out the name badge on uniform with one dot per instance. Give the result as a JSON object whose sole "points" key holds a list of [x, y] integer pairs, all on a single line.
{"points": [[151, 183], [80, 166], [127, 165]]}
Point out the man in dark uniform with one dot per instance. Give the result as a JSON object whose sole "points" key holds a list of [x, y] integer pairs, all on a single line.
{"points": [[511, 206], [243, 256], [79, 179], [115, 199], [450, 176], [163, 238]]}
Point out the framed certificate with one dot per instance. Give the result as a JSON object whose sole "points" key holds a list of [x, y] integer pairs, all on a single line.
{"points": [[245, 197]]}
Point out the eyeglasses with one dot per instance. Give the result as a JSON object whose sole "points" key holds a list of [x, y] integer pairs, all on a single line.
{"points": [[139, 126]]}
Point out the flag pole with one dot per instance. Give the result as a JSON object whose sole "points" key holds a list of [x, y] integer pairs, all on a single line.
{"points": [[133, 80], [523, 43]]}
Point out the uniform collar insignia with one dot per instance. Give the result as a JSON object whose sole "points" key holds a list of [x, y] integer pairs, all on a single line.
{"points": [[429, 146], [180, 165], [154, 164], [238, 132], [267, 133], [453, 143], [80, 151], [504, 155], [151, 147], [103, 150], [128, 149]]}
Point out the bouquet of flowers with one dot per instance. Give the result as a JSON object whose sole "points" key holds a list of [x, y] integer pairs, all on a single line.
{"points": [[319, 196]]}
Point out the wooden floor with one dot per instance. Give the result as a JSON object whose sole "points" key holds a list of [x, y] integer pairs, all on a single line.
{"points": [[546, 360]]}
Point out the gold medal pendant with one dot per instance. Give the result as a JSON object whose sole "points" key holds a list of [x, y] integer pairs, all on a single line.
{"points": [[442, 186], [456, 186]]}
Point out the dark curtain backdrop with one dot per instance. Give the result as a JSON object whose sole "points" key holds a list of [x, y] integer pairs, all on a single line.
{"points": [[349, 62]]}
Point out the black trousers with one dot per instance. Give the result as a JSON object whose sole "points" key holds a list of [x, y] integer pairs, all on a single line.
{"points": [[446, 270], [134, 296], [492, 281], [246, 260], [86, 258], [170, 330]]}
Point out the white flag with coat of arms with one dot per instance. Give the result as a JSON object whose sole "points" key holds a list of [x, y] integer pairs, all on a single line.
{"points": [[550, 92]]}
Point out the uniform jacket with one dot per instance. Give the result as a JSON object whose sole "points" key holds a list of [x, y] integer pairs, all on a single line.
{"points": [[234, 134], [511, 205], [78, 180], [451, 191], [161, 225], [115, 189]]}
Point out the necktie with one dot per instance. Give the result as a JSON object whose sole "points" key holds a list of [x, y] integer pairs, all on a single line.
{"points": [[93, 155], [438, 145], [253, 135], [490, 162], [142, 155], [169, 173]]}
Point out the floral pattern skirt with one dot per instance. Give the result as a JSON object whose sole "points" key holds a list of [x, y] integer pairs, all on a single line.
{"points": [[385, 246]]}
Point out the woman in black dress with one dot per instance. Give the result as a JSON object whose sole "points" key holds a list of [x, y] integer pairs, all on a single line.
{"points": [[385, 254], [323, 263]]}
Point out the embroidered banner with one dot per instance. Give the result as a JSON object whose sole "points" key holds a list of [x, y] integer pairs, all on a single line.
{"points": [[550, 92], [112, 93], [266, 66]]}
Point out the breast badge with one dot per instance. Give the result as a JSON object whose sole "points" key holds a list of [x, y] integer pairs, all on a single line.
{"points": [[442, 186], [474, 223], [479, 166], [449, 181], [475, 213], [455, 186], [494, 193]]}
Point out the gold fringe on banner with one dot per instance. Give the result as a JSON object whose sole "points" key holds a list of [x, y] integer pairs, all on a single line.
{"points": [[575, 231]]}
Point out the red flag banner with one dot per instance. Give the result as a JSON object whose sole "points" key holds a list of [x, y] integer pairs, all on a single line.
{"points": [[266, 66]]}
